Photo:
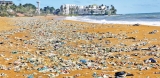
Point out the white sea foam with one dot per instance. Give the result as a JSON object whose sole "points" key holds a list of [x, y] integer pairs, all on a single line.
{"points": [[105, 21]]}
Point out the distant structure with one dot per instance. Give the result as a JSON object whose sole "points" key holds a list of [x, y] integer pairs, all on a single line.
{"points": [[38, 7], [72, 9], [66, 8], [3, 2]]}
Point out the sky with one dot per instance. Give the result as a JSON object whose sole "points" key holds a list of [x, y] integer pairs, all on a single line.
{"points": [[122, 6]]}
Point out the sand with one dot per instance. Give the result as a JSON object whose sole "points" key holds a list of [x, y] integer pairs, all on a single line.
{"points": [[141, 33]]}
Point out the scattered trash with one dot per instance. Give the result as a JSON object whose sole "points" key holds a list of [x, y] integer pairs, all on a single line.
{"points": [[30, 76], [128, 74], [83, 61], [120, 74], [1, 43], [54, 51], [14, 52], [152, 60], [136, 24], [153, 32], [94, 74], [130, 38]]}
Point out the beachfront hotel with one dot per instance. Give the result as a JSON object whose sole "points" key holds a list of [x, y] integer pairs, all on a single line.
{"points": [[74, 9]]}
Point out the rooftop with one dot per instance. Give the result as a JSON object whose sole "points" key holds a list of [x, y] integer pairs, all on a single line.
{"points": [[5, 2]]}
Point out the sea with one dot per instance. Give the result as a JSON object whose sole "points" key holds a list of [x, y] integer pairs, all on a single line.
{"points": [[138, 18]]}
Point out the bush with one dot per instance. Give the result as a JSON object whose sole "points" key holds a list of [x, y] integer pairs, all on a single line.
{"points": [[11, 14], [4, 14]]}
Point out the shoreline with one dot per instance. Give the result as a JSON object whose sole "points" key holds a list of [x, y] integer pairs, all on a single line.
{"points": [[117, 19], [115, 23], [111, 23]]}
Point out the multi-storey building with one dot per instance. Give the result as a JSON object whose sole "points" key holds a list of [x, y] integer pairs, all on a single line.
{"points": [[67, 9]]}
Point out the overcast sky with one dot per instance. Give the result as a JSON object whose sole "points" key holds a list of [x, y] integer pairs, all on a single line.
{"points": [[122, 6]]}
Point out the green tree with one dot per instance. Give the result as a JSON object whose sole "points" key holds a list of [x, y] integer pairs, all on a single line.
{"points": [[112, 7], [92, 12], [3, 10], [107, 7], [113, 10], [77, 9], [27, 9], [65, 9], [61, 9], [20, 8], [57, 11], [42, 10], [13, 7], [84, 11], [71, 11], [52, 10], [47, 11], [30, 5]]}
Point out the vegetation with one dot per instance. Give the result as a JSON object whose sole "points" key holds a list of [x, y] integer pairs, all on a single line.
{"points": [[113, 10], [92, 12], [26, 9], [47, 10], [11, 10], [57, 12]]}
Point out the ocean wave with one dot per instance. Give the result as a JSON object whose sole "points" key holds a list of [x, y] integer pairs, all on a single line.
{"points": [[114, 20]]}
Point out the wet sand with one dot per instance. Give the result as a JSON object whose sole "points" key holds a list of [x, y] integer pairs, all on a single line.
{"points": [[139, 33]]}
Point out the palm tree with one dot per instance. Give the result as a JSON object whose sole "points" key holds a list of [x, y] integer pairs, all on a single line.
{"points": [[61, 8], [113, 10], [51, 10], [65, 10], [102, 5], [112, 7], [92, 12], [90, 9], [84, 11], [71, 10], [77, 10], [103, 8], [47, 11], [87, 8], [74, 10], [107, 7], [90, 6]]}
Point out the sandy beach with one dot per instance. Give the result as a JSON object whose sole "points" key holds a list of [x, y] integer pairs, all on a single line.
{"points": [[42, 47]]}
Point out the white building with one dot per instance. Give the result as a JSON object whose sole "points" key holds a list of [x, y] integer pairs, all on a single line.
{"points": [[94, 7], [66, 8], [81, 9]]}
